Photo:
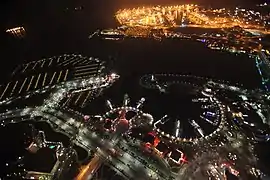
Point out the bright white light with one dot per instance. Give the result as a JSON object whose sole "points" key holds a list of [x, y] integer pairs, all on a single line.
{"points": [[113, 75]]}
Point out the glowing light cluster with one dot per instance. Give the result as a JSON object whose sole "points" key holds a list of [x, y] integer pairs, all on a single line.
{"points": [[17, 32], [188, 15]]}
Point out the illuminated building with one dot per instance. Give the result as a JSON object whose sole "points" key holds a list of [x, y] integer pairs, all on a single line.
{"points": [[162, 17], [18, 32], [33, 148]]}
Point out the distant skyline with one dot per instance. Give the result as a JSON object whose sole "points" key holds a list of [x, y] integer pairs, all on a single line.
{"points": [[210, 2]]}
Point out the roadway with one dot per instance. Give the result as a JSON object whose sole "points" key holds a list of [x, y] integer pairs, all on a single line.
{"points": [[64, 161], [127, 164]]}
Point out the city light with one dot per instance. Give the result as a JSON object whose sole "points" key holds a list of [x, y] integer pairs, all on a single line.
{"points": [[18, 32], [190, 15], [214, 130]]}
